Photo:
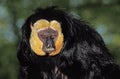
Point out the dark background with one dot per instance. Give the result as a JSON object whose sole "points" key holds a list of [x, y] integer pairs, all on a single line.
{"points": [[103, 15]]}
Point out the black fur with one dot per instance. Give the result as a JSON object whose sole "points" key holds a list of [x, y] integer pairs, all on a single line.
{"points": [[83, 56]]}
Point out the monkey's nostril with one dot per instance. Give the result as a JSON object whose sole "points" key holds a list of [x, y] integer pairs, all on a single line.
{"points": [[49, 46]]}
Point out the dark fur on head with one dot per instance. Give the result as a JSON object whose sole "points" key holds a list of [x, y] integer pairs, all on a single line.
{"points": [[83, 56]]}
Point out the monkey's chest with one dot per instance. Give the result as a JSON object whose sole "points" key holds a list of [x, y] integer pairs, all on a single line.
{"points": [[56, 74], [59, 74]]}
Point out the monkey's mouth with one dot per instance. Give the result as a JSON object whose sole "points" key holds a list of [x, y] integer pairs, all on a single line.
{"points": [[48, 50]]}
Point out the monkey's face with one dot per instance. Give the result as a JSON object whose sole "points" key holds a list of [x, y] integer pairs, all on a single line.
{"points": [[46, 37]]}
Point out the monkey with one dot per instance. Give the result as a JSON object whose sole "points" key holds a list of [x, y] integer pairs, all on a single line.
{"points": [[56, 45]]}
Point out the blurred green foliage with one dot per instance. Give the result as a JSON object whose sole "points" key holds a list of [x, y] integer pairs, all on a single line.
{"points": [[103, 15]]}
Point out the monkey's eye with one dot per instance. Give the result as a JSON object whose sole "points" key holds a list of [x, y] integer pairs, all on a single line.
{"points": [[43, 36], [53, 36]]}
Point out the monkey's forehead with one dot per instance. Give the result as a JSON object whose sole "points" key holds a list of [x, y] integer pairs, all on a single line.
{"points": [[43, 23]]}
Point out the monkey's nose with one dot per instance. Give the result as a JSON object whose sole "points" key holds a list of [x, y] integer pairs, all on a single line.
{"points": [[49, 43], [49, 47]]}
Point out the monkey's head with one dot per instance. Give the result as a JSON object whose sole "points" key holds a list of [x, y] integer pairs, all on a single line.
{"points": [[45, 32], [46, 37]]}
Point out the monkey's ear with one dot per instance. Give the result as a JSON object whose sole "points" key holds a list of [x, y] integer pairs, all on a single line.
{"points": [[31, 26]]}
